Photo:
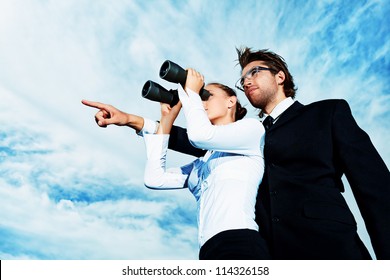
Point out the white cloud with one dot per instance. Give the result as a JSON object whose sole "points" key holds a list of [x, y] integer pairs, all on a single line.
{"points": [[70, 185]]}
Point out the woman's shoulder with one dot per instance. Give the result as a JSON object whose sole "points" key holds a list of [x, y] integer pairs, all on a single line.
{"points": [[251, 125], [250, 122]]}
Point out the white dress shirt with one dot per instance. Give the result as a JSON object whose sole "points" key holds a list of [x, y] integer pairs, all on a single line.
{"points": [[279, 109], [225, 181]]}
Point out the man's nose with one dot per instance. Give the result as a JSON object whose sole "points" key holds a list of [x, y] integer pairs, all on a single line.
{"points": [[247, 82]]}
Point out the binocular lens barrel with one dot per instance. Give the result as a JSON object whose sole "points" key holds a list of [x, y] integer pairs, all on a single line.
{"points": [[173, 73], [156, 92]]}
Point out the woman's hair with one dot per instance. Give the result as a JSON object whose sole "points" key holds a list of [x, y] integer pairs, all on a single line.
{"points": [[273, 61], [240, 111]]}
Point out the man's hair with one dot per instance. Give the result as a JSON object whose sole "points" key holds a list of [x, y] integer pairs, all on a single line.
{"points": [[273, 61]]}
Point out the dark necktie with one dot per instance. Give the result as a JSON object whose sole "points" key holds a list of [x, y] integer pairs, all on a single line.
{"points": [[268, 122]]}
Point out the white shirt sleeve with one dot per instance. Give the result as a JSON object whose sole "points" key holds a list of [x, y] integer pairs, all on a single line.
{"points": [[242, 137], [150, 127], [156, 175]]}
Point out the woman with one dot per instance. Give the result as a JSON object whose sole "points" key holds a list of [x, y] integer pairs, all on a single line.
{"points": [[224, 181]]}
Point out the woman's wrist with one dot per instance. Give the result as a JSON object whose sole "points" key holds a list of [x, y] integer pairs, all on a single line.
{"points": [[165, 126]]}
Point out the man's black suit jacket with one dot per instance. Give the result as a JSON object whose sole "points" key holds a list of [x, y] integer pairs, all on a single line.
{"points": [[300, 209]]}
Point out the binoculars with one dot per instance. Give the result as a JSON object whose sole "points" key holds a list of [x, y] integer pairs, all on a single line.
{"points": [[173, 73]]}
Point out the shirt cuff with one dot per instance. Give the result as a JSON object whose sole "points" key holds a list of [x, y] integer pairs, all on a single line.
{"points": [[150, 127]]}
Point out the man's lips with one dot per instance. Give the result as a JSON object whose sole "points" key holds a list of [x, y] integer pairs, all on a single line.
{"points": [[250, 90]]}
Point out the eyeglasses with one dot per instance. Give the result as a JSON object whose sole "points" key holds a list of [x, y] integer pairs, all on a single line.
{"points": [[249, 75]]}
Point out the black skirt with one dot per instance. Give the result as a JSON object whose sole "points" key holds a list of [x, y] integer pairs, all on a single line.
{"points": [[236, 244]]}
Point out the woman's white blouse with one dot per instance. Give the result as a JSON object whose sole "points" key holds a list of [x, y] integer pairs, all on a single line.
{"points": [[224, 181]]}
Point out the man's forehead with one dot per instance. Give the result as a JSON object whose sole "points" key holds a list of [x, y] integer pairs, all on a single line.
{"points": [[252, 64]]}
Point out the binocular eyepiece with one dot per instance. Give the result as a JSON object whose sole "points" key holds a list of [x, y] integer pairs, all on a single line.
{"points": [[173, 73]]}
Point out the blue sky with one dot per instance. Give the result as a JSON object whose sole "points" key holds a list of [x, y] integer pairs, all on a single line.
{"points": [[72, 190]]}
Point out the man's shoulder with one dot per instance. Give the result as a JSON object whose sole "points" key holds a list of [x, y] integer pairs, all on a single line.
{"points": [[324, 108], [327, 102]]}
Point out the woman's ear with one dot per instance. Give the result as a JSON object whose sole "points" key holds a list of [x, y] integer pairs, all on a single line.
{"points": [[232, 101]]}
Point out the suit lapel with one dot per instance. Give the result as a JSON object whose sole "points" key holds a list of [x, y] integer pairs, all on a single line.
{"points": [[289, 114]]}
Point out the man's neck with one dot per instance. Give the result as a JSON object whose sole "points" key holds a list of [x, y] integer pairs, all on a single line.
{"points": [[271, 106], [278, 109]]}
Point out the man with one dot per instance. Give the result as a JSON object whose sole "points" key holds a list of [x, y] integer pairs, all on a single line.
{"points": [[307, 150], [300, 209]]}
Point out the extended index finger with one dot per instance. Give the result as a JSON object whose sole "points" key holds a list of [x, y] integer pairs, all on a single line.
{"points": [[94, 104]]}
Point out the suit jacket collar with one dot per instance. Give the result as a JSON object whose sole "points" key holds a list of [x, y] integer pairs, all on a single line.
{"points": [[290, 113]]}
